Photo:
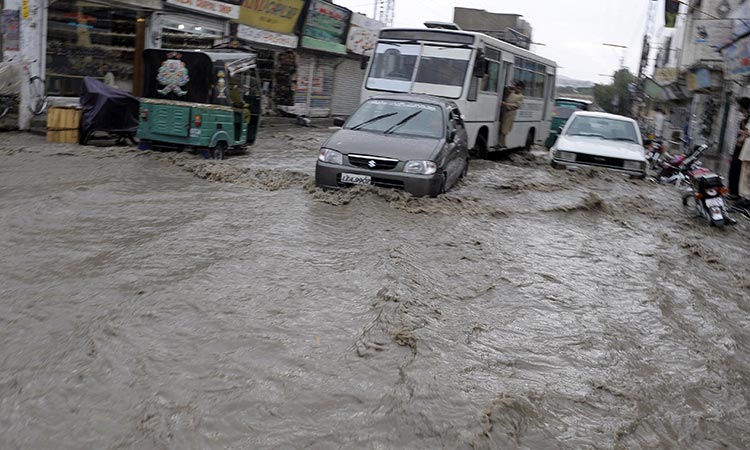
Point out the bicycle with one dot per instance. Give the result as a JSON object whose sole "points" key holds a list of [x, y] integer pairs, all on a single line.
{"points": [[38, 95], [7, 104]]}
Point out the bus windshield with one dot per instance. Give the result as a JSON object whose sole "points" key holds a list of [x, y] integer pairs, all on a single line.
{"points": [[439, 70]]}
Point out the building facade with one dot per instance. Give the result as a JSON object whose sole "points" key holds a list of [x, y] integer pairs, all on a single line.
{"points": [[306, 54]]}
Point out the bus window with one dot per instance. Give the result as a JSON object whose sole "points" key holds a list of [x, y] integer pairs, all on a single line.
{"points": [[393, 66], [443, 65]]}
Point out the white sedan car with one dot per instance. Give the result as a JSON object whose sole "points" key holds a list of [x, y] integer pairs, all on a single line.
{"points": [[600, 140]]}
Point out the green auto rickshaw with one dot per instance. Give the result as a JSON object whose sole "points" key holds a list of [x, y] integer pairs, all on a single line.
{"points": [[205, 101]]}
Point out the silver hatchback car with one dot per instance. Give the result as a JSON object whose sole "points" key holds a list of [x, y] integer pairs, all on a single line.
{"points": [[412, 142]]}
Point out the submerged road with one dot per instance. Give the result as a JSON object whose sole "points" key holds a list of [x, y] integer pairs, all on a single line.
{"points": [[162, 301]]}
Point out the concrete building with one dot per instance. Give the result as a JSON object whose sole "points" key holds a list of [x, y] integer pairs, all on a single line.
{"points": [[507, 27]]}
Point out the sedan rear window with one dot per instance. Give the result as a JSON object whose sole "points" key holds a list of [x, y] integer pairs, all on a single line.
{"points": [[398, 117]]}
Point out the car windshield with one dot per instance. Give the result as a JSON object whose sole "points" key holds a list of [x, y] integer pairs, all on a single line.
{"points": [[398, 117], [603, 127]]}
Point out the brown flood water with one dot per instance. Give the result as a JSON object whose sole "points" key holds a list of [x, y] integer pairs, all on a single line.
{"points": [[162, 301]]}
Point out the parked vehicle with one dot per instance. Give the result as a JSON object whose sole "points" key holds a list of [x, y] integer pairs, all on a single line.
{"points": [[654, 152], [107, 110], [674, 169], [412, 142], [207, 101], [564, 108], [706, 193], [600, 140], [10, 87]]}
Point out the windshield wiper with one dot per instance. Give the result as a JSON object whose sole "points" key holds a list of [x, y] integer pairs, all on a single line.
{"points": [[403, 121], [374, 119], [620, 139]]}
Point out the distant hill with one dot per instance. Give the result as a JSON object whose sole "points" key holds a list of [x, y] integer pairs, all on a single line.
{"points": [[563, 81]]}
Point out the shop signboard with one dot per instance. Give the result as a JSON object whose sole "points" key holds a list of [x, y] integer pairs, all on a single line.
{"points": [[280, 16], [665, 75], [737, 58], [325, 27], [701, 78], [363, 33], [253, 34], [10, 30], [211, 7]]}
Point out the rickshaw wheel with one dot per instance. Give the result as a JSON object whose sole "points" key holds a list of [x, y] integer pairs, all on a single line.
{"points": [[219, 152]]}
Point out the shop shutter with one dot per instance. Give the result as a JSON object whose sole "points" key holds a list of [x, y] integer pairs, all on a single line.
{"points": [[347, 86], [314, 85]]}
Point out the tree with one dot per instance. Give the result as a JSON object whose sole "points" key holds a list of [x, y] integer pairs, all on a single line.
{"points": [[616, 98]]}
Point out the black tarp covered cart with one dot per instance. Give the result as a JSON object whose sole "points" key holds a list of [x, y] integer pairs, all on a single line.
{"points": [[107, 110]]}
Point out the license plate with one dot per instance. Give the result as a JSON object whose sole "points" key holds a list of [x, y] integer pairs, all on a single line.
{"points": [[355, 179], [195, 132], [716, 201]]}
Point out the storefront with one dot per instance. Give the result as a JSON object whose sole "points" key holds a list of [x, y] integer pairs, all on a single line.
{"points": [[192, 24], [323, 46], [348, 76], [92, 38], [271, 29]]}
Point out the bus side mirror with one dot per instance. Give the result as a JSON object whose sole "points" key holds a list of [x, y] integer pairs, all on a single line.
{"points": [[480, 67], [363, 60]]}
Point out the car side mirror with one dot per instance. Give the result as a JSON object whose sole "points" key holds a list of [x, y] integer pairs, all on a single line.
{"points": [[338, 122], [647, 142], [559, 130], [363, 60]]}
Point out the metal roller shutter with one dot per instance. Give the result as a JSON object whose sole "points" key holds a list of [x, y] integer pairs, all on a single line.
{"points": [[347, 84], [314, 85]]}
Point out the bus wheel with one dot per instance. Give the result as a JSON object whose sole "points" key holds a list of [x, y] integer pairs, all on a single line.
{"points": [[529, 141], [481, 146]]}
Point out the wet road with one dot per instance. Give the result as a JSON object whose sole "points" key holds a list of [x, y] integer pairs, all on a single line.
{"points": [[161, 301]]}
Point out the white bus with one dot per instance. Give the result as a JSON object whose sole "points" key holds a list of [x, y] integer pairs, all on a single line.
{"points": [[472, 69]]}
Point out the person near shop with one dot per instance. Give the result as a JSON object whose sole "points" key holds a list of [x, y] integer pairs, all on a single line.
{"points": [[743, 184], [508, 109], [735, 166], [659, 118]]}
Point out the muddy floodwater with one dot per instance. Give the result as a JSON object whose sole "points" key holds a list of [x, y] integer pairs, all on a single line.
{"points": [[162, 301]]}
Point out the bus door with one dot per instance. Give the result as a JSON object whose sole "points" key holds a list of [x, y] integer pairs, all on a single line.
{"points": [[506, 76]]}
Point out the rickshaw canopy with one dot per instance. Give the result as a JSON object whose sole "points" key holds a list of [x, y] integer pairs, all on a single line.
{"points": [[193, 75]]}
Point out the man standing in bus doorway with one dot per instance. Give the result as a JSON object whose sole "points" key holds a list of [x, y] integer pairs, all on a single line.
{"points": [[508, 108]]}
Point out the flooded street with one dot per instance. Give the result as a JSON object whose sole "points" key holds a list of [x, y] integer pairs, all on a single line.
{"points": [[163, 301]]}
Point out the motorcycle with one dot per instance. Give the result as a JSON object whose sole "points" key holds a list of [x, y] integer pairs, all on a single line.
{"points": [[654, 154], [675, 169], [705, 189]]}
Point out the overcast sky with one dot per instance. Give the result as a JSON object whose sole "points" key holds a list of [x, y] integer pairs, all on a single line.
{"points": [[572, 31]]}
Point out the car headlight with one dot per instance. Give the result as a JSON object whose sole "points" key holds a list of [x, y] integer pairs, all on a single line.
{"points": [[633, 165], [567, 156], [330, 156], [421, 167]]}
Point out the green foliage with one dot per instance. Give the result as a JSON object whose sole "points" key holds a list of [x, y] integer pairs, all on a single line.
{"points": [[615, 98]]}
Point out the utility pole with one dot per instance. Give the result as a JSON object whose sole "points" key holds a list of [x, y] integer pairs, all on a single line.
{"points": [[622, 58], [384, 10]]}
